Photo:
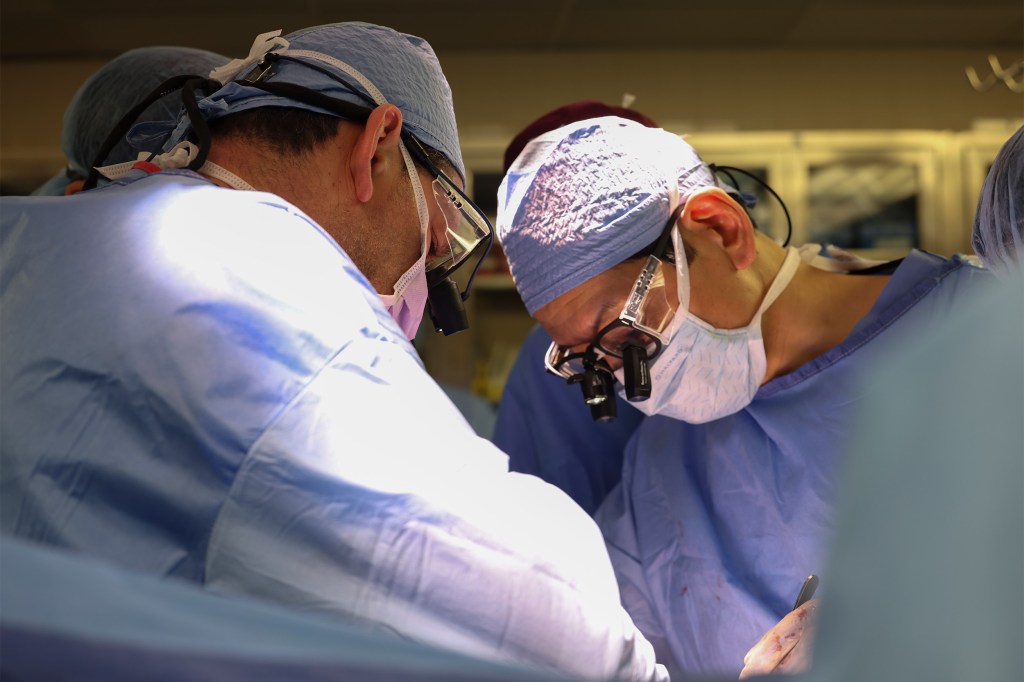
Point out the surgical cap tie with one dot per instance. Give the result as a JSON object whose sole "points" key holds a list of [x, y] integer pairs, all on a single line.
{"points": [[261, 45], [373, 91], [179, 157]]}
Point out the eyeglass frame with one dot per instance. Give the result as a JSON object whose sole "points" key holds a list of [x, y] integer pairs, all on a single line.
{"points": [[558, 355]]}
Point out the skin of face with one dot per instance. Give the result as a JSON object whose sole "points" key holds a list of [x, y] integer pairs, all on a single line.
{"points": [[575, 318]]}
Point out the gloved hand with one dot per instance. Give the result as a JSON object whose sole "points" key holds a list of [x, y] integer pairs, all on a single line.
{"points": [[786, 648]]}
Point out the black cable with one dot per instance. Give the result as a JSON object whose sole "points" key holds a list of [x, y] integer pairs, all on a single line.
{"points": [[195, 117], [128, 120], [737, 186], [725, 170]]}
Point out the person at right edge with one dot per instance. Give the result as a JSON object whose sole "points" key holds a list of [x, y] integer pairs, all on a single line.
{"points": [[652, 281], [927, 565]]}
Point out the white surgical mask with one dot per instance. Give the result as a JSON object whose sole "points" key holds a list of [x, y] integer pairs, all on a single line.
{"points": [[706, 373], [409, 298]]}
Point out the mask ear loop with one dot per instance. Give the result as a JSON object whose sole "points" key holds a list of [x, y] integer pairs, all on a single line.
{"points": [[421, 204], [636, 373], [679, 256]]}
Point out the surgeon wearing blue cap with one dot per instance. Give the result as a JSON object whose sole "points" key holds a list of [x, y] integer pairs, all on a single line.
{"points": [[653, 283], [539, 421], [110, 93], [207, 372]]}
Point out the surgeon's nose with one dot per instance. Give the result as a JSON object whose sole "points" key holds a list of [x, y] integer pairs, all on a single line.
{"points": [[437, 238], [613, 362]]}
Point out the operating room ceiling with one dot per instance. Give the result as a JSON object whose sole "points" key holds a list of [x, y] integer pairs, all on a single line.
{"points": [[63, 29]]}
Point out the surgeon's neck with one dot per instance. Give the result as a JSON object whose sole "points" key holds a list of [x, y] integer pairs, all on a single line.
{"points": [[308, 180], [816, 313]]}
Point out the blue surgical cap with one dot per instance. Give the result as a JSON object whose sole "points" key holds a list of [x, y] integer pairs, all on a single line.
{"points": [[402, 67], [585, 197], [998, 236], [108, 94]]}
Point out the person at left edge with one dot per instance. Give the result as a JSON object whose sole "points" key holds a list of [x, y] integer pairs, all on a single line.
{"points": [[207, 374]]}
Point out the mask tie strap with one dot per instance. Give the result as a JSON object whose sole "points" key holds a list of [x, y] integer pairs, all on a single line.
{"points": [[223, 174], [782, 279]]}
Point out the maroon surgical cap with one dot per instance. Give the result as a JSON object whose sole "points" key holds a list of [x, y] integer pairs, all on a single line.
{"points": [[570, 113]]}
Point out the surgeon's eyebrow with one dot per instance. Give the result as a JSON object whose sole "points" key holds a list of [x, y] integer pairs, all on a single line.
{"points": [[601, 315], [585, 328]]}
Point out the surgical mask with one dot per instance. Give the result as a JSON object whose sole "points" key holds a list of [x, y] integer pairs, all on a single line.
{"points": [[409, 298], [707, 373]]}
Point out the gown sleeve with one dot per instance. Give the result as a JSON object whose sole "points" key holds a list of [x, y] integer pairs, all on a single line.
{"points": [[371, 498]]}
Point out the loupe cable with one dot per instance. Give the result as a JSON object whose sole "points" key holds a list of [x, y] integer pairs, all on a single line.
{"points": [[195, 117], [128, 120]]}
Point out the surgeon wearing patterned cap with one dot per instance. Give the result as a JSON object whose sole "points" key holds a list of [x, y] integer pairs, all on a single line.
{"points": [[654, 284], [208, 375], [539, 423], [108, 94]]}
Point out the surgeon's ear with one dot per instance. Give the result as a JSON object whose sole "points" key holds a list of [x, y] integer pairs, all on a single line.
{"points": [[373, 149], [725, 223], [74, 187]]}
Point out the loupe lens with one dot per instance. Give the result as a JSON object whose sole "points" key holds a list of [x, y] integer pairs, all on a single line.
{"points": [[466, 229], [636, 374], [593, 385], [446, 307]]}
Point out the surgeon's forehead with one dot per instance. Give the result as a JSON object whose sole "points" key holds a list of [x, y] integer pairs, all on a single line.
{"points": [[576, 317]]}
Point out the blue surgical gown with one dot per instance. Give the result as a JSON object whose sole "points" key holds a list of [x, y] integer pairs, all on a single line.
{"points": [[199, 383], [715, 526], [927, 562], [546, 429]]}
